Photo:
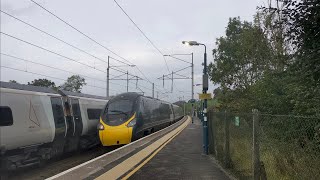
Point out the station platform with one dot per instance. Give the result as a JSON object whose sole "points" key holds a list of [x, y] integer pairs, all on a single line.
{"points": [[176, 153], [182, 158]]}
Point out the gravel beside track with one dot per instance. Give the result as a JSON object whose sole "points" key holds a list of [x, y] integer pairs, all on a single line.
{"points": [[56, 166]]}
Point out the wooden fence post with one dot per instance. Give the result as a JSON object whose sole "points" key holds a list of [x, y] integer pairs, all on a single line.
{"points": [[227, 140], [255, 145]]}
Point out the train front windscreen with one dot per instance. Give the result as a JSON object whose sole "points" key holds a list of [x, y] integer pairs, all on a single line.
{"points": [[117, 112]]}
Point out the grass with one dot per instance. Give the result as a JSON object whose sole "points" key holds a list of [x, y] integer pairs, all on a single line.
{"points": [[283, 160], [211, 103]]}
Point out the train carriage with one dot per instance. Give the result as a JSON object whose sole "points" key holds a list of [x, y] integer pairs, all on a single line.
{"points": [[130, 116], [38, 123]]}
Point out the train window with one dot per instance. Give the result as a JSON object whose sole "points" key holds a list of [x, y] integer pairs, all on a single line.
{"points": [[94, 114], [76, 108], [6, 118], [58, 113]]}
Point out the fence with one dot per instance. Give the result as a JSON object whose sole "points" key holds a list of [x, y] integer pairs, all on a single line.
{"points": [[264, 146]]}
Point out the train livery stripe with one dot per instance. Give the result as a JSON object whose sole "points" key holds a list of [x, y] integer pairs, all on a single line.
{"points": [[132, 162]]}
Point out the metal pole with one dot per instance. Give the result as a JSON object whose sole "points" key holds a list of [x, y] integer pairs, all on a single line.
{"points": [[127, 81], [172, 82], [227, 158], [163, 81], [205, 87], [152, 90], [108, 77], [137, 82], [255, 149], [192, 87], [192, 76]]}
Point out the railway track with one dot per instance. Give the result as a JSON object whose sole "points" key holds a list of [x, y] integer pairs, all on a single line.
{"points": [[56, 166]]}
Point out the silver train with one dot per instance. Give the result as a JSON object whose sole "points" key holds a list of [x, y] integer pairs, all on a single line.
{"points": [[37, 123]]}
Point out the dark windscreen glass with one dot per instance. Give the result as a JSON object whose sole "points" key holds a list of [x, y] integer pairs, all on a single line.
{"points": [[118, 112]]}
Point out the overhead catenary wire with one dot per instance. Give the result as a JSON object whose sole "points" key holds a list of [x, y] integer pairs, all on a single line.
{"points": [[69, 44], [143, 34], [39, 74], [126, 73], [68, 58], [26, 60], [173, 72], [59, 39], [87, 36], [76, 29], [52, 52]]}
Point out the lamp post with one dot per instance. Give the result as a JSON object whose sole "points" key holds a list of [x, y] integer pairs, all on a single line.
{"points": [[192, 76], [205, 86]]}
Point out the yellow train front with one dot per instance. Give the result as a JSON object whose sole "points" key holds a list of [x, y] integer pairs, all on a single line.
{"points": [[130, 116]]}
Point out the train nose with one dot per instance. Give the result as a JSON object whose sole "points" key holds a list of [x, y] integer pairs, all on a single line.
{"points": [[115, 136]]}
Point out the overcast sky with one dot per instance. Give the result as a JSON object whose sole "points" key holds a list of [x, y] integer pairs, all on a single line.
{"points": [[165, 22]]}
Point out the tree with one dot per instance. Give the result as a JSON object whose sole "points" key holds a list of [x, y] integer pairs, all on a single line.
{"points": [[251, 64], [241, 57], [42, 83], [302, 21], [74, 83], [13, 81]]}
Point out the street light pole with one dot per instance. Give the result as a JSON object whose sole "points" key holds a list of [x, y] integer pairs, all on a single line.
{"points": [[205, 86], [192, 86]]}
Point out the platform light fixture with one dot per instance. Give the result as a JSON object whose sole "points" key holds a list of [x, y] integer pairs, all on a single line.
{"points": [[191, 43]]}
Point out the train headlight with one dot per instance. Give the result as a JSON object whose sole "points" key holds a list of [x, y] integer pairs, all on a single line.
{"points": [[100, 126], [132, 122]]}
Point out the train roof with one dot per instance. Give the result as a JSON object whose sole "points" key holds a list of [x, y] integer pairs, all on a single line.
{"points": [[46, 90], [27, 87], [134, 95], [68, 93], [128, 95]]}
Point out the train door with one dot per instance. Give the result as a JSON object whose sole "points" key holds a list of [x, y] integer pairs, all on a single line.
{"points": [[74, 122], [76, 114], [60, 126], [172, 114]]}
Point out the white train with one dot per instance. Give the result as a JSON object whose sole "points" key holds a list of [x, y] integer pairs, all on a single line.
{"points": [[37, 123]]}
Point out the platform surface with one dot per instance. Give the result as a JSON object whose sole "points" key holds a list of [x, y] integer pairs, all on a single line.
{"points": [[182, 158]]}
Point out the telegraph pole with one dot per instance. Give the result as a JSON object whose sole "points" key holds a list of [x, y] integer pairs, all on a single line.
{"points": [[108, 77]]}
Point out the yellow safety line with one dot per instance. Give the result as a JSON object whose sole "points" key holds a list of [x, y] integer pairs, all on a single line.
{"points": [[150, 157], [128, 164]]}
